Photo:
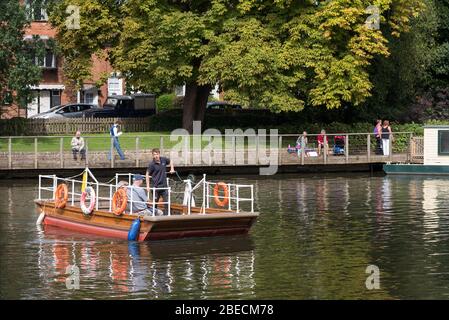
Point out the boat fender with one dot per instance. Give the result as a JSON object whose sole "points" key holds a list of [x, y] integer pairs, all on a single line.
{"points": [[41, 218], [134, 230]]}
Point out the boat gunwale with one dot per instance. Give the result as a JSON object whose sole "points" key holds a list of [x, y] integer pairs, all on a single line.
{"points": [[181, 217]]}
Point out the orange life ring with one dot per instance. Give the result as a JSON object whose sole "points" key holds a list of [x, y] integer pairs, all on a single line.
{"points": [[61, 196], [119, 201], [225, 201]]}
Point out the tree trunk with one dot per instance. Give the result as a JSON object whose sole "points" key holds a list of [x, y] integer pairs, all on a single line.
{"points": [[194, 107]]}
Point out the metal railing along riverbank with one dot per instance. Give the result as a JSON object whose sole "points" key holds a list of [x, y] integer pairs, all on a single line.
{"points": [[47, 152]]}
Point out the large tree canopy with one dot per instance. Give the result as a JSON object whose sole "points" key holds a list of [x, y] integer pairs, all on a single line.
{"points": [[277, 54], [18, 71]]}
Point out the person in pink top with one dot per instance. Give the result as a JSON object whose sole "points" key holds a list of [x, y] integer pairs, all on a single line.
{"points": [[322, 141]]}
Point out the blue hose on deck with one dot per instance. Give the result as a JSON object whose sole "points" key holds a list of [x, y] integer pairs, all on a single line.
{"points": [[134, 230]]}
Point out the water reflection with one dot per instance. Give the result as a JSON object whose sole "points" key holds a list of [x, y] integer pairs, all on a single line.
{"points": [[147, 270], [432, 190], [314, 239]]}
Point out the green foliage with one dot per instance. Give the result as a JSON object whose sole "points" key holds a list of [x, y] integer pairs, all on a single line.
{"points": [[13, 127], [282, 55], [17, 69], [165, 102]]}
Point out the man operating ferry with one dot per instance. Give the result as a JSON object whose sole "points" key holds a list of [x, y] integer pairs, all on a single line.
{"points": [[157, 171]]}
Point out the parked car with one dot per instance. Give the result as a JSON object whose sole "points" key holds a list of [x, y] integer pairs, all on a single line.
{"points": [[135, 105], [71, 110], [223, 105]]}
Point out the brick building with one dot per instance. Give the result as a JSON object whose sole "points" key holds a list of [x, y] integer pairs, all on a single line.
{"points": [[53, 89]]}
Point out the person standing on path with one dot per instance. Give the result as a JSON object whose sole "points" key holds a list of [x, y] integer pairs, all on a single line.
{"points": [[378, 136], [387, 134], [157, 171], [115, 132]]}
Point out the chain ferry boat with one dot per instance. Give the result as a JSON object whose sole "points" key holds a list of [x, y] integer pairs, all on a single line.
{"points": [[106, 209]]}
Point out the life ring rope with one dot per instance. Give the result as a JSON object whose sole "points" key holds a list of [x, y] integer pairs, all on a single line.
{"points": [[223, 186]]}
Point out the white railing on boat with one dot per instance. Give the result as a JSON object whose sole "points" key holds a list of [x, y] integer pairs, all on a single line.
{"points": [[234, 198]]}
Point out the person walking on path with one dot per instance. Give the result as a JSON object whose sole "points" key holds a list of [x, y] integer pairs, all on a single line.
{"points": [[77, 144], [157, 172], [115, 132], [387, 134], [378, 136]]}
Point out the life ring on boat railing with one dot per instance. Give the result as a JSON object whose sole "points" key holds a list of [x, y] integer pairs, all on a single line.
{"points": [[61, 196], [89, 191], [225, 201], [119, 201]]}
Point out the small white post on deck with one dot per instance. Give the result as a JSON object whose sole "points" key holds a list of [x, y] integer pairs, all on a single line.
{"points": [[55, 182], [229, 197], [207, 195], [131, 200], [252, 198], [203, 206], [39, 189], [237, 197], [73, 192], [110, 196]]}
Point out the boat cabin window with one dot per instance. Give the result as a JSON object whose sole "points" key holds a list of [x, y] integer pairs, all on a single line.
{"points": [[443, 142]]}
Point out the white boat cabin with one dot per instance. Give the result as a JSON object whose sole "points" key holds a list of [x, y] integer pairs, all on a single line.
{"points": [[436, 145]]}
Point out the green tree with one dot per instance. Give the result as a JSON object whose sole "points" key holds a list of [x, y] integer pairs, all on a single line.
{"points": [[282, 54], [18, 70]]}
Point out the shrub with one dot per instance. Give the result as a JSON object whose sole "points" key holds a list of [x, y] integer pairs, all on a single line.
{"points": [[13, 127], [165, 102]]}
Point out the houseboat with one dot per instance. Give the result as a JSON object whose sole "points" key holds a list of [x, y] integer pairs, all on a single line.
{"points": [[104, 209], [435, 151]]}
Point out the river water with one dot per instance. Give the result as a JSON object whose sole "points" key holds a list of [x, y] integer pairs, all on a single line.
{"points": [[314, 239]]}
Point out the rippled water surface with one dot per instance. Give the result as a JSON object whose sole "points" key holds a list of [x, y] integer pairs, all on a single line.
{"points": [[314, 239]]}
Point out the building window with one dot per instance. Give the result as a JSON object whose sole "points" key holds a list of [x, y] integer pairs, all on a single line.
{"points": [[443, 142], [48, 61], [88, 97], [55, 98], [36, 10]]}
